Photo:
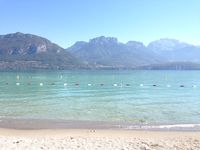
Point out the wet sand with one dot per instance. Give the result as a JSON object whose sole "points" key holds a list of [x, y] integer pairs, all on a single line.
{"points": [[33, 124]]}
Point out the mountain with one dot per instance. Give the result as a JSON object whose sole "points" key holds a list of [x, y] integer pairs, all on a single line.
{"points": [[26, 51], [19, 51], [107, 52], [175, 51]]}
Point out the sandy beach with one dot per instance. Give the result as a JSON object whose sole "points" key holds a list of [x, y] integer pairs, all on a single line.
{"points": [[74, 139]]}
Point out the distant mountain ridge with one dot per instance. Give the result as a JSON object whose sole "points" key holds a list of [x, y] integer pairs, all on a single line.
{"points": [[27, 51], [19, 51], [175, 51], [108, 52]]}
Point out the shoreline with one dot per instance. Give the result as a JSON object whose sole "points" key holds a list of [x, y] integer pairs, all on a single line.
{"points": [[111, 133], [48, 134], [48, 124]]}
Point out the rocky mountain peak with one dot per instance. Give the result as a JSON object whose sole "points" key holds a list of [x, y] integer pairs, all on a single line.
{"points": [[135, 44], [166, 44], [103, 40]]}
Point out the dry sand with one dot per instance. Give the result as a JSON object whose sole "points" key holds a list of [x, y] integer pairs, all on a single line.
{"points": [[98, 140]]}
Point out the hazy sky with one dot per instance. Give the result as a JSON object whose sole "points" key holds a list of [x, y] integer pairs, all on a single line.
{"points": [[67, 21]]}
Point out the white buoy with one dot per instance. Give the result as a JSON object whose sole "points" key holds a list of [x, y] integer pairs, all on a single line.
{"points": [[65, 84], [141, 85], [114, 84], [168, 86], [89, 84], [17, 84], [194, 86], [41, 84]]}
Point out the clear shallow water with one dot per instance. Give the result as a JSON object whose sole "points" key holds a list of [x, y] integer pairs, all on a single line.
{"points": [[42, 95]]}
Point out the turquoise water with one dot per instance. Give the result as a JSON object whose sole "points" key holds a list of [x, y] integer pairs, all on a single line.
{"points": [[124, 96]]}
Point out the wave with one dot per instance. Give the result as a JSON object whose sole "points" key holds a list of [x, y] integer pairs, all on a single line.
{"points": [[166, 127]]}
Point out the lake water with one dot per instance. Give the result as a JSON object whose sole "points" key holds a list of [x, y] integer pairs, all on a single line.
{"points": [[149, 97]]}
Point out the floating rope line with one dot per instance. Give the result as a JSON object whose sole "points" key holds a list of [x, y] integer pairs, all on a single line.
{"points": [[102, 84]]}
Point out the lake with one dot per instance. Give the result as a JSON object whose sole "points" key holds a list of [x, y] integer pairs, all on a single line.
{"points": [[139, 97]]}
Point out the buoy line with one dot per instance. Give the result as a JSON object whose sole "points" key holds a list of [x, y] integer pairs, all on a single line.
{"points": [[65, 84]]}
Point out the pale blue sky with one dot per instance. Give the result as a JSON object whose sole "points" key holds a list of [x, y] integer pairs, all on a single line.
{"points": [[65, 22]]}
